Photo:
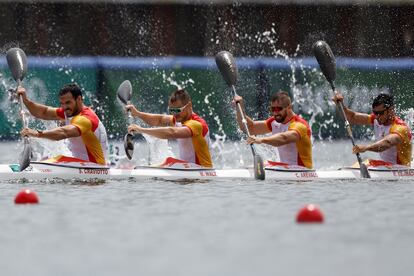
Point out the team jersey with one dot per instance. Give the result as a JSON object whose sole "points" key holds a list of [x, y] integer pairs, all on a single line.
{"points": [[401, 153], [195, 149], [299, 153], [92, 143]]}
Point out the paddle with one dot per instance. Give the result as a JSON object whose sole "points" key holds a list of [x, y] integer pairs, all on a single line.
{"points": [[326, 60], [17, 61], [124, 93], [227, 66]]}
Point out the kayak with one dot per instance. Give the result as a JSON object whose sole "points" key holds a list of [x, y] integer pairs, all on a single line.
{"points": [[174, 169]]}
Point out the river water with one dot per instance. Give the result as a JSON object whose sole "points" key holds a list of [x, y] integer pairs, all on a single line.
{"points": [[220, 227]]}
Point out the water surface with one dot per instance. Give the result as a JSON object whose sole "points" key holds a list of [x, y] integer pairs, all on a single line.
{"points": [[220, 227]]}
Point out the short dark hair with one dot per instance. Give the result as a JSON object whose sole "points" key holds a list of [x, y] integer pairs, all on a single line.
{"points": [[386, 99], [281, 96], [180, 95], [72, 88]]}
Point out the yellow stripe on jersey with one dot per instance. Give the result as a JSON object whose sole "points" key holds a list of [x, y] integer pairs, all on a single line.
{"points": [[304, 144], [91, 142], [404, 150], [201, 149]]}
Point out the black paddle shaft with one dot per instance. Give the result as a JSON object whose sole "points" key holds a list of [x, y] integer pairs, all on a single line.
{"points": [[228, 69], [348, 129], [243, 117]]}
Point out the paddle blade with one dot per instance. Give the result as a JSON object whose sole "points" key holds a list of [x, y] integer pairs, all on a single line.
{"points": [[24, 158], [364, 171], [259, 172], [326, 60], [17, 61], [129, 145], [227, 66], [124, 92]]}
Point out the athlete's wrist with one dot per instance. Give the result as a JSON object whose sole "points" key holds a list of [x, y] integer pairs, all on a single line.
{"points": [[135, 113], [39, 133]]}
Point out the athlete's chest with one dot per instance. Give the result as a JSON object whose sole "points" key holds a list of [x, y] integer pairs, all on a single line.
{"points": [[279, 127], [381, 130]]}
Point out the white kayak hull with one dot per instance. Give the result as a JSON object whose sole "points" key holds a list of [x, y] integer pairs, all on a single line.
{"points": [[39, 171]]}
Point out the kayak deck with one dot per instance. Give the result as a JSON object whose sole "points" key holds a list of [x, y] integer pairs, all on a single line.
{"points": [[41, 170]]}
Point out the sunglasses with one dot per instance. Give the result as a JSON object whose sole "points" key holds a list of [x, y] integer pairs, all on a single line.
{"points": [[378, 113], [176, 110], [275, 108]]}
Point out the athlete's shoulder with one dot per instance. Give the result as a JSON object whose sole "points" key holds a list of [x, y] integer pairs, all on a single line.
{"points": [[269, 122], [197, 124], [300, 120], [400, 122], [300, 125], [197, 118], [88, 112], [80, 118], [400, 127]]}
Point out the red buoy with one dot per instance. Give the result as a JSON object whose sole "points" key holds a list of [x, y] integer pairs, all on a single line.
{"points": [[26, 196], [309, 214]]}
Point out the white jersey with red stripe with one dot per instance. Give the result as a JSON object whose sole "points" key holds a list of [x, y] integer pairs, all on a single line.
{"points": [[92, 144], [299, 153], [401, 153]]}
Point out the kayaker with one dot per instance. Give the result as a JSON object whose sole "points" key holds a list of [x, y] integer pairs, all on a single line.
{"points": [[392, 134], [83, 129], [190, 130], [291, 134]]}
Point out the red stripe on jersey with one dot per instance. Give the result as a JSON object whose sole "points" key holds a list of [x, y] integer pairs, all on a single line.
{"points": [[372, 118], [269, 123], [60, 113]]}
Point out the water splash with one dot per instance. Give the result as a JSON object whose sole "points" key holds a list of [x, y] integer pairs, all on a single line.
{"points": [[408, 115]]}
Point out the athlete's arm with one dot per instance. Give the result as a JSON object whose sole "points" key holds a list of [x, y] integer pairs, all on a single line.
{"points": [[150, 118], [352, 116], [162, 132], [255, 127], [37, 110], [55, 134], [357, 118], [258, 128], [276, 140], [381, 145]]}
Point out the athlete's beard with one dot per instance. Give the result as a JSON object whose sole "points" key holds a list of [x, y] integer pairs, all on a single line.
{"points": [[387, 120], [74, 112], [280, 118]]}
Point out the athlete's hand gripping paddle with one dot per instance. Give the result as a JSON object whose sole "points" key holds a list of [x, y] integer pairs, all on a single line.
{"points": [[326, 60], [227, 66], [124, 94], [17, 61]]}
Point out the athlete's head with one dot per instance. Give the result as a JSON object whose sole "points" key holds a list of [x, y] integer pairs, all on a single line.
{"points": [[180, 106], [280, 106], [383, 108], [70, 98]]}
